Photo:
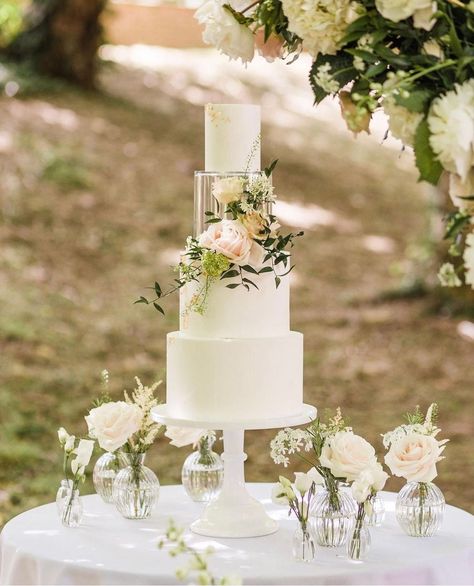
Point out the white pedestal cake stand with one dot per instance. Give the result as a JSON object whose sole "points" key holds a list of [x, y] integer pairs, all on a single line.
{"points": [[234, 513]]}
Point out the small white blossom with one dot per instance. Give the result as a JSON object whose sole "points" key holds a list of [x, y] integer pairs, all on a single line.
{"points": [[447, 276], [469, 259], [358, 63], [288, 441], [325, 80], [365, 43]]}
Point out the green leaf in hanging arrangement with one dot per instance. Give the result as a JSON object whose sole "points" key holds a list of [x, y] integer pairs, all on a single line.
{"points": [[429, 167]]}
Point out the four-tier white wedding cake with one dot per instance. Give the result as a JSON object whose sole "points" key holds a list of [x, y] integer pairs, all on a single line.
{"points": [[237, 359]]}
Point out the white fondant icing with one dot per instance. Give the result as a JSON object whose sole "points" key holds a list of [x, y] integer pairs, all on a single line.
{"points": [[232, 137], [230, 379], [238, 313]]}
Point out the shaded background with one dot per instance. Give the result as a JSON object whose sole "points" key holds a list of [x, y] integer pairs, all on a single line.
{"points": [[96, 199]]}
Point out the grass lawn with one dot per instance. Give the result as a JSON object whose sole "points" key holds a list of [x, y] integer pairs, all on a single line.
{"points": [[96, 200]]}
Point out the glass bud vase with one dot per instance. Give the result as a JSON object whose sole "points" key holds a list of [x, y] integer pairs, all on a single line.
{"points": [[105, 471], [203, 471], [358, 545], [332, 517], [420, 508], [72, 511], [374, 512], [303, 545], [64, 489], [136, 487]]}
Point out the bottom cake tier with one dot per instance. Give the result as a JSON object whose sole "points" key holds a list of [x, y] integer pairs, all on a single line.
{"points": [[231, 379]]}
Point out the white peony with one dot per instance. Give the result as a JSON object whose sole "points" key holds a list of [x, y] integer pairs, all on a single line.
{"points": [[112, 424], [414, 457], [232, 239], [402, 123], [347, 454], [321, 24], [469, 260], [451, 123], [83, 456], [459, 189], [183, 436], [369, 481], [224, 32], [397, 10], [228, 189], [304, 480]]}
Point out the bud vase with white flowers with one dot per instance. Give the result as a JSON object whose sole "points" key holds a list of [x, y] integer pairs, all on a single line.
{"points": [[299, 499], [333, 510], [77, 455], [203, 470], [126, 428], [413, 452]]}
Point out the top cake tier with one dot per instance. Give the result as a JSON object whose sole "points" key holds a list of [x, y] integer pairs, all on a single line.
{"points": [[232, 138]]}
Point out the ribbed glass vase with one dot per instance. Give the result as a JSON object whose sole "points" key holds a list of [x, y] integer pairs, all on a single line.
{"points": [[332, 517], [358, 545], [420, 508], [103, 476], [203, 471], [374, 512], [136, 487]]}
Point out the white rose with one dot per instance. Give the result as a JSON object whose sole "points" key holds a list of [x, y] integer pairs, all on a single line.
{"points": [[402, 123], [414, 457], [468, 258], [224, 32], [231, 238], [112, 424], [228, 189], [397, 10], [451, 125], [459, 189], [304, 480], [183, 436], [347, 454]]}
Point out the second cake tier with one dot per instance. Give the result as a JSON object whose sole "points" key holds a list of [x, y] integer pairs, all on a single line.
{"points": [[234, 379]]}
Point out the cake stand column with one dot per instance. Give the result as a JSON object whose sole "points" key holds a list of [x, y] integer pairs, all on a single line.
{"points": [[234, 513]]}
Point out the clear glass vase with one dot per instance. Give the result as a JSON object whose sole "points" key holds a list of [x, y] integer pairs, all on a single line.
{"points": [[103, 476], [203, 472], [64, 489], [72, 510], [303, 545], [420, 508], [332, 516], [358, 545], [136, 487], [374, 511]]}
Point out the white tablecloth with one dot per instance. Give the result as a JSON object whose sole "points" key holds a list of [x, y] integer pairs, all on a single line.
{"points": [[107, 549]]}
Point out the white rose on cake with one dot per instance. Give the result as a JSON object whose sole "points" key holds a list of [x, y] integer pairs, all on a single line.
{"points": [[347, 454], [232, 239], [228, 189], [112, 424], [414, 457], [224, 32]]}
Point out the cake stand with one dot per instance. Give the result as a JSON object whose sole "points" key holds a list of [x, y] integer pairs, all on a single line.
{"points": [[234, 513]]}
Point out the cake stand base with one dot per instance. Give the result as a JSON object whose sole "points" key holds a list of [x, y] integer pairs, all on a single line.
{"points": [[234, 513]]}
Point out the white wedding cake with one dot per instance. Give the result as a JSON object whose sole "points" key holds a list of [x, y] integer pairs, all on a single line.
{"points": [[237, 359]]}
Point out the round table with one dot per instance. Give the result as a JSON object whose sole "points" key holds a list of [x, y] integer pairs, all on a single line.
{"points": [[108, 549]]}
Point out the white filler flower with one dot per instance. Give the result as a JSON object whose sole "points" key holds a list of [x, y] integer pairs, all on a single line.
{"points": [[401, 122], [451, 123], [321, 23], [469, 260], [224, 32]]}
